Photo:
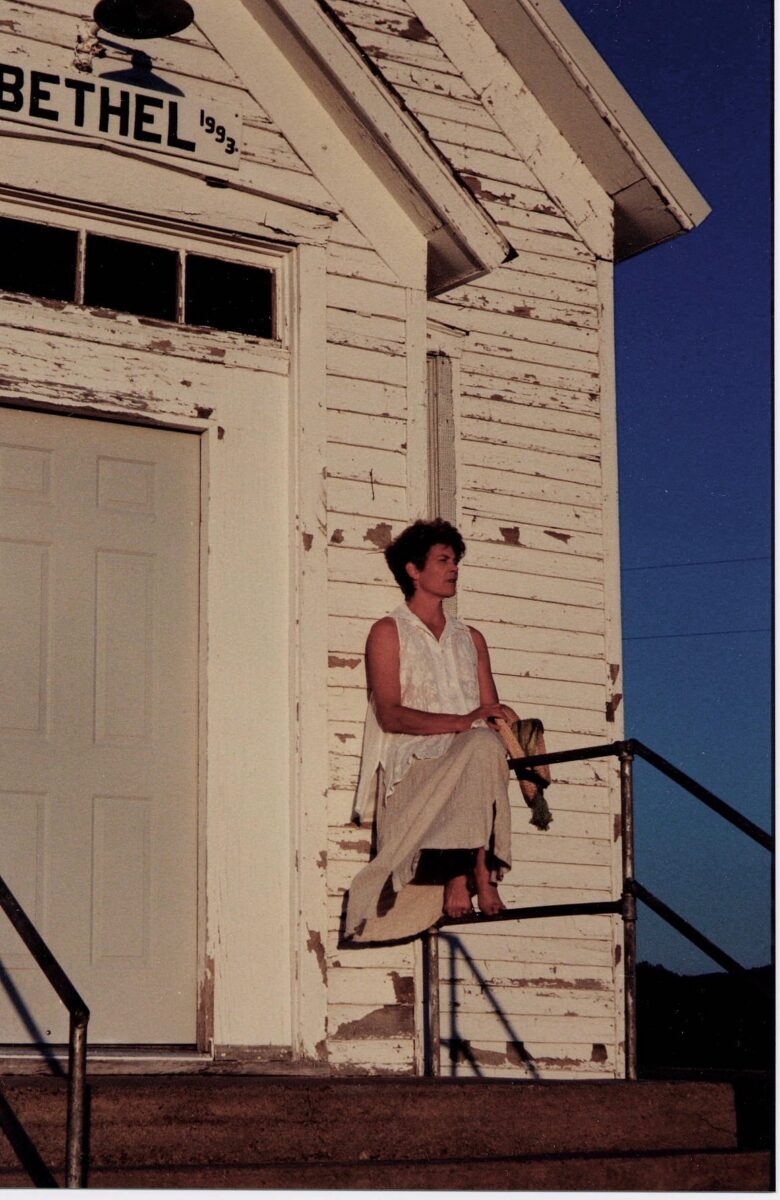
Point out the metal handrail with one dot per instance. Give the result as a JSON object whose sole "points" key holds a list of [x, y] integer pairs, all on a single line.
{"points": [[625, 906], [77, 1037]]}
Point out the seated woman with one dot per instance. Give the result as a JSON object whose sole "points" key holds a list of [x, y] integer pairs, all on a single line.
{"points": [[443, 816]]}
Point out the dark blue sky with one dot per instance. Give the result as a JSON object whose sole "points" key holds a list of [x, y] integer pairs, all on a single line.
{"points": [[695, 439]]}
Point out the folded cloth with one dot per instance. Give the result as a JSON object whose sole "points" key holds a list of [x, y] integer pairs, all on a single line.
{"points": [[530, 735]]}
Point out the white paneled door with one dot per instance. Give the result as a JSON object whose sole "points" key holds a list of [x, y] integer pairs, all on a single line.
{"points": [[99, 566]]}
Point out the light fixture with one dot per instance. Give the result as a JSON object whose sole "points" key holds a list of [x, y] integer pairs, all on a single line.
{"points": [[143, 18]]}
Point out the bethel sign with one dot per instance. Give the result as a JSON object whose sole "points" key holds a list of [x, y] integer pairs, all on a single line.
{"points": [[204, 132]]}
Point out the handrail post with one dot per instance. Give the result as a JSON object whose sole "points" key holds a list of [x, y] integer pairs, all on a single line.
{"points": [[431, 1010], [76, 1127], [629, 904]]}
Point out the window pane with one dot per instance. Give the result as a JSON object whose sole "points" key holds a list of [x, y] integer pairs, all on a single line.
{"points": [[131, 277], [228, 295], [38, 259]]}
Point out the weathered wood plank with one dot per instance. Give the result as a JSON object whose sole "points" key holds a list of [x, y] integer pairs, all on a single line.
{"points": [[506, 420], [499, 1059], [581, 941], [384, 18], [519, 325], [527, 349], [429, 79], [537, 256], [383, 47], [365, 296], [572, 877], [454, 132], [483, 533], [531, 587], [517, 399], [510, 510], [561, 952], [528, 976], [378, 335], [384, 433], [465, 109], [357, 566], [584, 383], [514, 553], [372, 601], [367, 330], [396, 958], [565, 667], [26, 318], [528, 942], [357, 263], [532, 296], [379, 365], [382, 1056], [552, 462], [62, 369], [516, 1004], [526, 847], [501, 630], [374, 985], [360, 1020], [356, 533], [543, 217], [517, 314], [358, 395], [536, 1027], [366, 464], [525, 485]]}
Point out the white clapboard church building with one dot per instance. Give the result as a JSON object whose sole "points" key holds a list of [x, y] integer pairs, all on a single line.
{"points": [[270, 288]]}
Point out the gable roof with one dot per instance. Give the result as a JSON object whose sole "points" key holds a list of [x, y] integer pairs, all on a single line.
{"points": [[654, 198], [463, 240]]}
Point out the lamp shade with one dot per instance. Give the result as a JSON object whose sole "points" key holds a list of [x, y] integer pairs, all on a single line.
{"points": [[143, 18]]}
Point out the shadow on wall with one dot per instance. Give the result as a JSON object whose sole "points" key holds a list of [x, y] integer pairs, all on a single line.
{"points": [[37, 1036], [460, 1049]]}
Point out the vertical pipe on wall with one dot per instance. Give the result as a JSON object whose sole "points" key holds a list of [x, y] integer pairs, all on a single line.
{"points": [[432, 1041], [629, 905]]}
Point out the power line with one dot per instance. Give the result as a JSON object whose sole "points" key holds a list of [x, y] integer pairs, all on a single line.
{"points": [[646, 637], [707, 562]]}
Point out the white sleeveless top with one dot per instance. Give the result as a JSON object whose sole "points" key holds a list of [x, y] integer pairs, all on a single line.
{"points": [[436, 676]]}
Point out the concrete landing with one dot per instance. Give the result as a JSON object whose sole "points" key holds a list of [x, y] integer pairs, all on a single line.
{"points": [[261, 1132]]}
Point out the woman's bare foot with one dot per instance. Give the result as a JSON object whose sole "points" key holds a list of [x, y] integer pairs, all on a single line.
{"points": [[488, 899], [457, 899]]}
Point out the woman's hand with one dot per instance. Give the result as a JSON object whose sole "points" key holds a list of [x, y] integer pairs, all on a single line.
{"points": [[490, 712]]}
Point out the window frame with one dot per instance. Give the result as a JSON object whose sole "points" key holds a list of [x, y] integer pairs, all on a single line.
{"points": [[223, 245]]}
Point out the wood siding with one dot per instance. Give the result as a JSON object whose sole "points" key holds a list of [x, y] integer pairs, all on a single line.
{"points": [[530, 503], [537, 998]]}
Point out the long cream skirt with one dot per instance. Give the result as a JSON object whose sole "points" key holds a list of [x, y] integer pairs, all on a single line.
{"points": [[456, 802]]}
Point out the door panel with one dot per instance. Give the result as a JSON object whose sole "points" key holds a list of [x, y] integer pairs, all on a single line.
{"points": [[99, 562]]}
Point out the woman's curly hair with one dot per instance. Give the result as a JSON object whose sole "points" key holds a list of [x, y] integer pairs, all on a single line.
{"points": [[413, 544]]}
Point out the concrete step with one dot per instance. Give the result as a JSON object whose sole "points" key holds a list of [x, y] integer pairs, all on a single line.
{"points": [[220, 1119], [255, 1132], [712, 1171]]}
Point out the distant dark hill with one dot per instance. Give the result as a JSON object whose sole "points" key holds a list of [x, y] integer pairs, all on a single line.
{"points": [[715, 1022]]}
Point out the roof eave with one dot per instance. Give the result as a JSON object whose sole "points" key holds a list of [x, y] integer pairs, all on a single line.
{"points": [[463, 240], [654, 198]]}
